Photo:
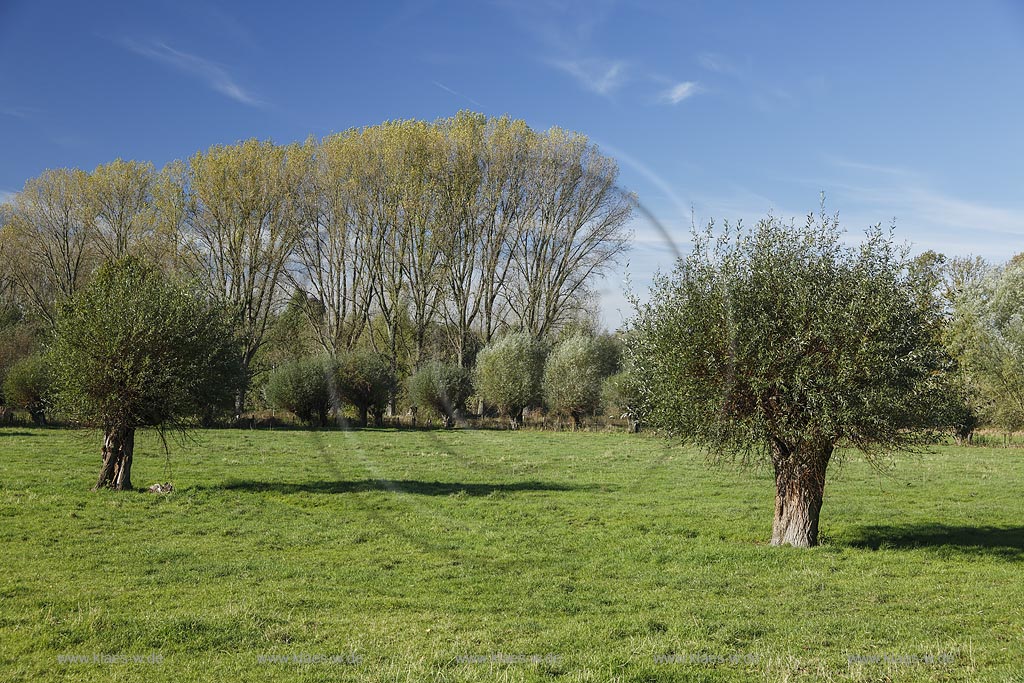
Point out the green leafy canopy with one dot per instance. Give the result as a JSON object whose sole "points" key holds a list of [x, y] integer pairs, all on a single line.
{"points": [[786, 336], [136, 349], [509, 373]]}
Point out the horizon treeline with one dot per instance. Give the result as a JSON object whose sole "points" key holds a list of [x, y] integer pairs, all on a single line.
{"points": [[418, 240]]}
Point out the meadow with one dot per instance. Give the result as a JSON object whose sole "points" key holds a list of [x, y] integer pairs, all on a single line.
{"points": [[383, 555]]}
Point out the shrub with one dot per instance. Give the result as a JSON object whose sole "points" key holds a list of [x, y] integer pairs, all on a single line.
{"points": [[365, 380], [18, 339], [620, 394], [28, 385], [609, 353], [441, 388], [508, 374], [572, 378], [303, 388]]}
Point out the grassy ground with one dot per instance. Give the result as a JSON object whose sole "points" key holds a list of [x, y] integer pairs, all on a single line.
{"points": [[469, 556]]}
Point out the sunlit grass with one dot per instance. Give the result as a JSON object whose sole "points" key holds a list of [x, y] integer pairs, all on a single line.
{"points": [[604, 556]]}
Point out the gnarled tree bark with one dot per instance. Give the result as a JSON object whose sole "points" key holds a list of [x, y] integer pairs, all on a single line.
{"points": [[118, 448], [799, 489]]}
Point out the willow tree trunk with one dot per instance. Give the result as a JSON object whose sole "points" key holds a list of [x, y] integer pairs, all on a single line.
{"points": [[799, 490], [118, 448]]}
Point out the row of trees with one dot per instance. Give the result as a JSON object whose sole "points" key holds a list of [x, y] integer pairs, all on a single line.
{"points": [[781, 343], [446, 261], [137, 347], [573, 379], [411, 240]]}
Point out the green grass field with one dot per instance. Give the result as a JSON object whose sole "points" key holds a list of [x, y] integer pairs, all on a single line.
{"points": [[469, 556]]}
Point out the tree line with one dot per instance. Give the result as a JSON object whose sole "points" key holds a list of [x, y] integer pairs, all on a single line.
{"points": [[437, 262], [414, 241], [982, 306]]}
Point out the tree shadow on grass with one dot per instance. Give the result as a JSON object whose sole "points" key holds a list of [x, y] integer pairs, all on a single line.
{"points": [[16, 433], [1003, 542], [422, 488]]}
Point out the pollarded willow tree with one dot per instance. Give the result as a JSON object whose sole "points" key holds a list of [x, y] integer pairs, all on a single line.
{"points": [[135, 349], [441, 388], [573, 377], [784, 343], [27, 386], [363, 379], [303, 387], [509, 373]]}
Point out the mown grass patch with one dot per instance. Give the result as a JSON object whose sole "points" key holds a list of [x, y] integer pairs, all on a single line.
{"points": [[483, 555]]}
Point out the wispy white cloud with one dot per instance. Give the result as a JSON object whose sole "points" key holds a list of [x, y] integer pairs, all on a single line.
{"points": [[596, 75], [929, 217], [763, 93], [444, 87], [923, 207], [678, 209], [717, 63], [679, 92], [212, 74], [565, 35]]}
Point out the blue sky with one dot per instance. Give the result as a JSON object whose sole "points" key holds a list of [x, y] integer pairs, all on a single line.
{"points": [[908, 110]]}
